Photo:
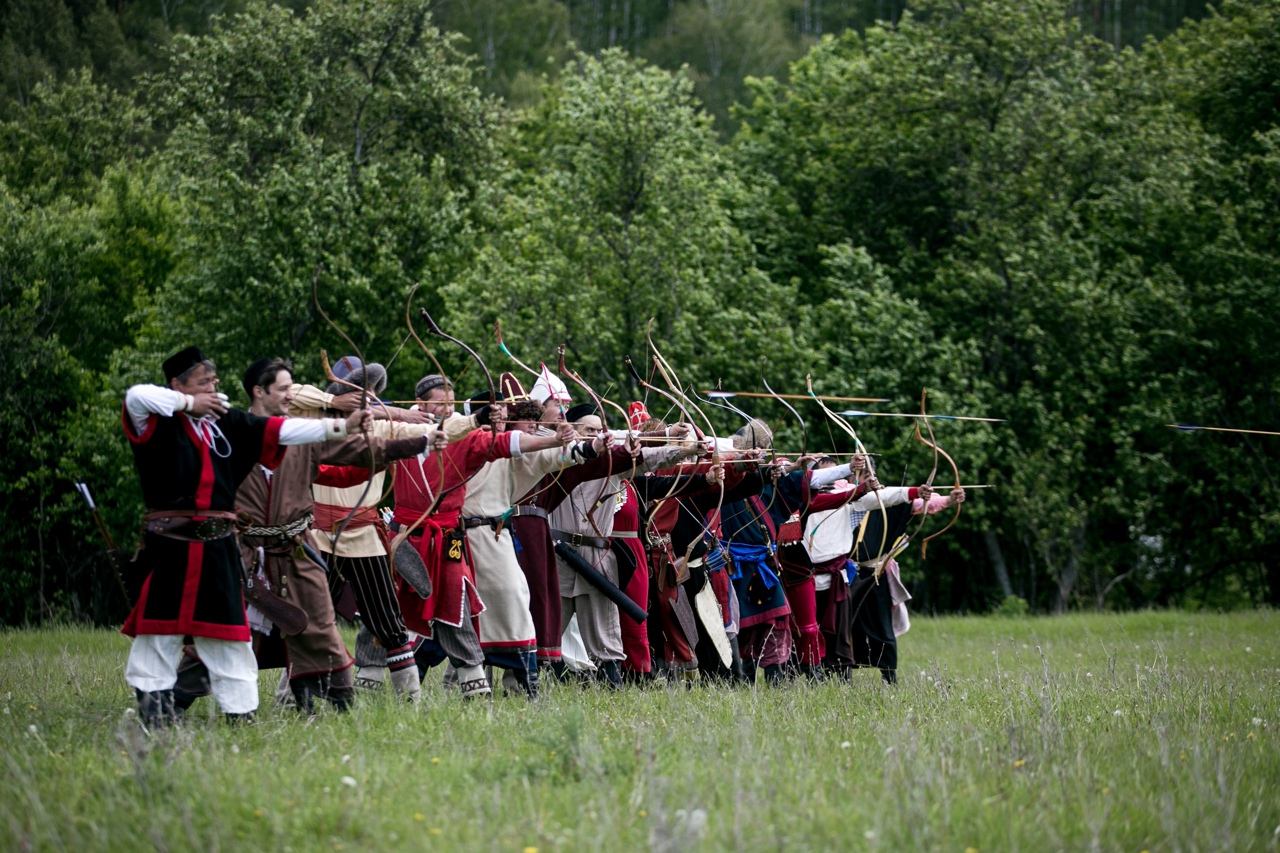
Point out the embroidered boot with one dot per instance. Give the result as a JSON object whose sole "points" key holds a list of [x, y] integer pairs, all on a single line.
{"points": [[403, 670], [472, 683]]}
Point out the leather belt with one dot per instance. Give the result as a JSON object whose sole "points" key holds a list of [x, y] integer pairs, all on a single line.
{"points": [[577, 540], [528, 511], [663, 541], [491, 521], [190, 525]]}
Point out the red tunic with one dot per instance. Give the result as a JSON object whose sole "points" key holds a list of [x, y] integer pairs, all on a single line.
{"points": [[418, 481], [195, 587]]}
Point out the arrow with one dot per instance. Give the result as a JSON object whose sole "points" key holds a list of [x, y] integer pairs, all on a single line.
{"points": [[1190, 428], [919, 417], [796, 397]]}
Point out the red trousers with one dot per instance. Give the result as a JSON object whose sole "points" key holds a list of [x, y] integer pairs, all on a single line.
{"points": [[635, 635], [803, 598]]}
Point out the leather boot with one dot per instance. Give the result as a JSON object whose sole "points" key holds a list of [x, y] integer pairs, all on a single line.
{"points": [[155, 708], [773, 675], [248, 718], [284, 691], [560, 670], [749, 670], [813, 672], [609, 674], [527, 677], [334, 687], [635, 678], [736, 675], [193, 682]]}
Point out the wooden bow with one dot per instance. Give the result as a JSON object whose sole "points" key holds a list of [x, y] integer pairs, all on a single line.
{"points": [[364, 400], [857, 443], [924, 546]]}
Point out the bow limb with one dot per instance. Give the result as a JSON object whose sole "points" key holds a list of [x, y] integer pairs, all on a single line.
{"points": [[669, 376], [642, 383], [502, 347], [440, 457], [924, 546], [493, 391], [932, 443], [364, 400], [858, 445], [729, 407], [608, 477], [804, 430]]}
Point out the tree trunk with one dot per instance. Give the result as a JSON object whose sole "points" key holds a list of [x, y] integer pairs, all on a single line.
{"points": [[1067, 580], [997, 561]]}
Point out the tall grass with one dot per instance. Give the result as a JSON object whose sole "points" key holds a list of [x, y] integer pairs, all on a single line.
{"points": [[1153, 731]]}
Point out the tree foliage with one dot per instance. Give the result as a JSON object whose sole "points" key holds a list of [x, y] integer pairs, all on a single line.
{"points": [[988, 200]]}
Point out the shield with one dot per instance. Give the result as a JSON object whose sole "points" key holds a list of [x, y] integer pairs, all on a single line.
{"points": [[708, 610], [408, 564]]}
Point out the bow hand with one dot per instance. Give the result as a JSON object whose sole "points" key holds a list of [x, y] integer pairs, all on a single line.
{"points": [[359, 421]]}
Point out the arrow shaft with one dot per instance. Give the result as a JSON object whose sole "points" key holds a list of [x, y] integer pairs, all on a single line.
{"points": [[795, 397], [1189, 428], [919, 417]]}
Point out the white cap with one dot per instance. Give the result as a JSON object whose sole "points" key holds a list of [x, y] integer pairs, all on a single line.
{"points": [[549, 387]]}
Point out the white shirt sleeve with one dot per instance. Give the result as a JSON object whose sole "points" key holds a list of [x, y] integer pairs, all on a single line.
{"points": [[889, 496], [516, 452], [142, 401], [826, 476], [311, 430]]}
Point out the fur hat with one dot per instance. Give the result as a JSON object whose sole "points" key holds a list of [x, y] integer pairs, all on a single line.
{"points": [[755, 435], [352, 372]]}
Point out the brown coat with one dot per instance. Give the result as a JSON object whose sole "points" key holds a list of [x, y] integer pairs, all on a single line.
{"points": [[278, 500]]}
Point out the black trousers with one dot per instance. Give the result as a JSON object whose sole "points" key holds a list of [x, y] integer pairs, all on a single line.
{"points": [[874, 644], [370, 579]]}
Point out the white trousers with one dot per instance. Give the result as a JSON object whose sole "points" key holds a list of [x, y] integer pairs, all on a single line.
{"points": [[233, 670]]}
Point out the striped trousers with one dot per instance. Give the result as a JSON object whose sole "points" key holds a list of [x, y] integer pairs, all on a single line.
{"points": [[370, 579]]}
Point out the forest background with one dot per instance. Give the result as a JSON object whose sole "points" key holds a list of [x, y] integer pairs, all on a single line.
{"points": [[1060, 214]]}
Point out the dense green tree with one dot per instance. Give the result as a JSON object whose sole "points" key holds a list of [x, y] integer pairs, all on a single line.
{"points": [[1043, 201], [348, 138], [619, 213]]}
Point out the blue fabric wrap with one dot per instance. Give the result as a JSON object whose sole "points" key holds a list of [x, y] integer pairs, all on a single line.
{"points": [[752, 556], [716, 558]]}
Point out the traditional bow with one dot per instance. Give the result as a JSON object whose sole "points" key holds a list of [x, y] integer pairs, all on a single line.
{"points": [[364, 399], [857, 443], [932, 442], [488, 378], [669, 376], [604, 483]]}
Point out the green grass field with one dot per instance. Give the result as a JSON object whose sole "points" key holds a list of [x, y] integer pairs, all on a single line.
{"points": [[1153, 731]]}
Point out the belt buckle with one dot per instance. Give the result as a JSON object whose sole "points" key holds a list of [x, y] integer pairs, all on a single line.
{"points": [[576, 540], [206, 529]]}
